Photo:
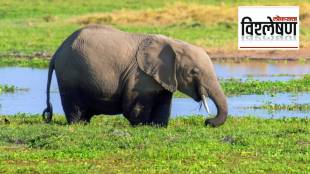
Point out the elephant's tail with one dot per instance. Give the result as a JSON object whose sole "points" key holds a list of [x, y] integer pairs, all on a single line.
{"points": [[48, 111]]}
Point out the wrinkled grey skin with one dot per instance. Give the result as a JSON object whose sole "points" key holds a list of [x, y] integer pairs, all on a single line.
{"points": [[101, 70]]}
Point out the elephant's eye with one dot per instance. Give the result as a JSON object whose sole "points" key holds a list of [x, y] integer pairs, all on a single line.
{"points": [[194, 71]]}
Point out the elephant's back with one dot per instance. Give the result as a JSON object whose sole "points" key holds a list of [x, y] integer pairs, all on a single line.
{"points": [[93, 58], [104, 44]]}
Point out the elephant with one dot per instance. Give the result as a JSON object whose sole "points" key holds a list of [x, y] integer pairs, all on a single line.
{"points": [[103, 70]]}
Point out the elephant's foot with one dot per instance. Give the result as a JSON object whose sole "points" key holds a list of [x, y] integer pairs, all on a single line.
{"points": [[79, 118], [135, 124], [75, 109], [213, 122], [79, 122]]}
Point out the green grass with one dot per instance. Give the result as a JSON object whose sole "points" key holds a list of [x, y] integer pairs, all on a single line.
{"points": [[22, 62], [111, 145], [26, 26], [48, 36], [31, 26], [12, 9]]}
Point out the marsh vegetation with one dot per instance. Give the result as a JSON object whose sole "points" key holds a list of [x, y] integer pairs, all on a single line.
{"points": [[7, 88], [291, 107], [32, 30], [111, 145]]}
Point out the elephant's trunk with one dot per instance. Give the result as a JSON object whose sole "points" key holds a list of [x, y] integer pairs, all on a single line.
{"points": [[217, 96]]}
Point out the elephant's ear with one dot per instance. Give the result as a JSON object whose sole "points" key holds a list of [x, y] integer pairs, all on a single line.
{"points": [[157, 58]]}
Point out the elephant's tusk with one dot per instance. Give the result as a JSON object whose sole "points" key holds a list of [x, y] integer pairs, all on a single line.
{"points": [[205, 104]]}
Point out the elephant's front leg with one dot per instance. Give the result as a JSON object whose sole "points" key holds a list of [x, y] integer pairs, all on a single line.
{"points": [[162, 109]]}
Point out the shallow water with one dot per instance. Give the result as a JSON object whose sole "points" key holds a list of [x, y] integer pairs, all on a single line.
{"points": [[33, 100], [260, 70]]}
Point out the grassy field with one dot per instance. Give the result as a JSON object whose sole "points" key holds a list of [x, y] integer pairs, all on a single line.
{"points": [[30, 32], [111, 145], [40, 26]]}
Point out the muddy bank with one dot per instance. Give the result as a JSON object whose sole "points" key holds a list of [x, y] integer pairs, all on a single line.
{"points": [[215, 54], [221, 54], [21, 55]]}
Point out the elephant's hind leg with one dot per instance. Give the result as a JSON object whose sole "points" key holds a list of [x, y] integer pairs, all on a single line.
{"points": [[74, 108]]}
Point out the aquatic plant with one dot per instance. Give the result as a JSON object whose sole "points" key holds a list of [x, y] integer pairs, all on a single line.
{"points": [[251, 86], [10, 88], [289, 107], [7, 88]]}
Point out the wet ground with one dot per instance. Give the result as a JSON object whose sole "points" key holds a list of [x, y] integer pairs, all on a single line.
{"points": [[33, 100]]}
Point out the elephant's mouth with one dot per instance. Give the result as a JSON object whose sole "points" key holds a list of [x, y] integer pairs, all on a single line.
{"points": [[198, 91], [203, 99]]}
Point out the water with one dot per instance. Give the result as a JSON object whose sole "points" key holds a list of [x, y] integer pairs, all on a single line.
{"points": [[33, 100], [239, 106], [262, 70]]}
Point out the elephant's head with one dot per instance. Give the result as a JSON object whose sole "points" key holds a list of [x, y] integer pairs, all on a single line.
{"points": [[177, 65]]}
